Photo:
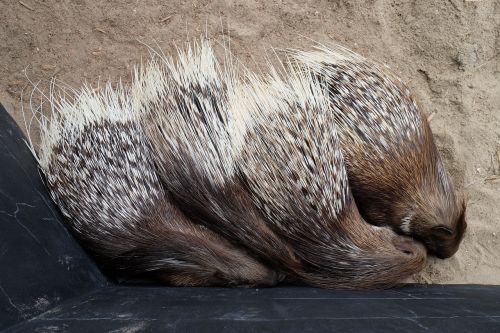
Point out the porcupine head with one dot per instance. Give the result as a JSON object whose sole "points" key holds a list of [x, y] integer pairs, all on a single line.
{"points": [[395, 171]]}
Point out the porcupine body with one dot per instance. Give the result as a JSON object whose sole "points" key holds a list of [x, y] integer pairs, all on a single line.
{"points": [[395, 171], [191, 131], [294, 168], [97, 164]]}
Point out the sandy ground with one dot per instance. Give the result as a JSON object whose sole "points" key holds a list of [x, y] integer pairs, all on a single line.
{"points": [[447, 51]]}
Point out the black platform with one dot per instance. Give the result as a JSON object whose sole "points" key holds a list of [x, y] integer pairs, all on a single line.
{"points": [[48, 283]]}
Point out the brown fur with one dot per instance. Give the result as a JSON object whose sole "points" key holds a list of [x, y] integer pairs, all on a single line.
{"points": [[387, 189], [204, 258], [226, 210]]}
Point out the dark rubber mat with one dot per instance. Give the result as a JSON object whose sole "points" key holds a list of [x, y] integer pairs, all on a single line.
{"points": [[415, 308]]}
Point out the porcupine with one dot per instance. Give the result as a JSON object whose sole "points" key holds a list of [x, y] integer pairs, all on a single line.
{"points": [[294, 170], [396, 174], [197, 131], [97, 165]]}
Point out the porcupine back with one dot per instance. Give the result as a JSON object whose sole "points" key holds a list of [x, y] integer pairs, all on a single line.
{"points": [[294, 168], [395, 171], [97, 164], [191, 131]]}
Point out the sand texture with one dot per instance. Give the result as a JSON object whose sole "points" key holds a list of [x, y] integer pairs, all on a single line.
{"points": [[448, 52]]}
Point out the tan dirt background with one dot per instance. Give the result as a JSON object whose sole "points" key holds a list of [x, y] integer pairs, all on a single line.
{"points": [[447, 51]]}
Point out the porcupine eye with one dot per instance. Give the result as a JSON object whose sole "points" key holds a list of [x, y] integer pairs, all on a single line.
{"points": [[443, 231]]}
